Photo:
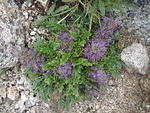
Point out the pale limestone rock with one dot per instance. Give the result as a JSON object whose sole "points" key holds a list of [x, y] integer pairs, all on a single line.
{"points": [[136, 58], [12, 93]]}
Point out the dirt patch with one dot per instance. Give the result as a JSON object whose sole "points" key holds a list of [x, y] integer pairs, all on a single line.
{"points": [[127, 95]]}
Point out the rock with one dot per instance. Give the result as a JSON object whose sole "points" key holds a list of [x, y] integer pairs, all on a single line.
{"points": [[136, 58], [44, 3], [1, 101], [2, 91], [139, 21], [11, 33], [29, 103], [26, 15], [145, 84], [12, 93], [141, 2], [32, 33], [20, 104]]}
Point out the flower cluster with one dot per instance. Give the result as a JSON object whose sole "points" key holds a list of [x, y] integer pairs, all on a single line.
{"points": [[108, 27], [65, 70], [29, 58], [96, 49], [74, 72], [98, 75], [64, 36]]}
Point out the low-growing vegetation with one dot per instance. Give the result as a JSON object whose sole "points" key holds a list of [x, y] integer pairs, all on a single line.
{"points": [[81, 53]]}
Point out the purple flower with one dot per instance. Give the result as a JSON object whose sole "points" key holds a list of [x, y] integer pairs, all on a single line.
{"points": [[65, 70], [103, 32], [96, 49], [26, 57], [73, 29], [32, 52], [41, 59], [108, 26], [111, 22], [99, 76], [64, 36], [65, 47], [36, 67], [47, 72], [29, 58]]}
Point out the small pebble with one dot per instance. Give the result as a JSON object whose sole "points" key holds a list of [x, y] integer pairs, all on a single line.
{"points": [[25, 14], [32, 33]]}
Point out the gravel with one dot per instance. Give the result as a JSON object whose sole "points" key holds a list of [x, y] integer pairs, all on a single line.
{"points": [[16, 95]]}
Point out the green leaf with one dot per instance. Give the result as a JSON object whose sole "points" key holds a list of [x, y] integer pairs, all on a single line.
{"points": [[85, 35], [82, 43], [62, 8], [40, 20], [116, 75], [82, 61], [51, 9], [102, 8], [65, 58], [54, 62], [111, 63]]}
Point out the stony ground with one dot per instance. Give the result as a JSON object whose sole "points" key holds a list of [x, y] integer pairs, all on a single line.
{"points": [[130, 94], [16, 95]]}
